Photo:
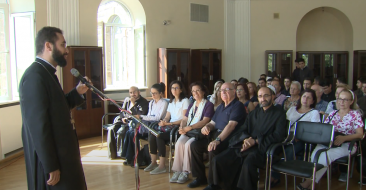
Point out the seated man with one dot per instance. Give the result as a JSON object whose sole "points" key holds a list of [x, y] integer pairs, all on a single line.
{"points": [[264, 126], [307, 83], [279, 98], [137, 105], [321, 105], [328, 94], [222, 127]]}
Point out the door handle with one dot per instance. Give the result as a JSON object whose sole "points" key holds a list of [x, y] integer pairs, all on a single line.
{"points": [[211, 77]]}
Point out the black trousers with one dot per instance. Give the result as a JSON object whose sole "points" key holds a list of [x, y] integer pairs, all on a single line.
{"points": [[158, 144], [225, 169], [128, 148], [115, 138], [199, 147]]}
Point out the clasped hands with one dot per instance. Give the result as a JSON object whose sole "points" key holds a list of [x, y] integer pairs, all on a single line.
{"points": [[184, 130], [247, 143], [339, 140]]}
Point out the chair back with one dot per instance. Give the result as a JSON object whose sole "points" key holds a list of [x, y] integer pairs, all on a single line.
{"points": [[315, 133]]}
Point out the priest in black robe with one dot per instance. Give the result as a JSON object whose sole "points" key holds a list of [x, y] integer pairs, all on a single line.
{"points": [[51, 148], [236, 167]]}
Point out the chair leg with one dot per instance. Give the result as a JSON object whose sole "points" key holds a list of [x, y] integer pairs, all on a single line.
{"points": [[352, 167], [266, 181], [328, 177], [361, 171], [348, 169], [102, 137], [286, 181], [269, 173]]}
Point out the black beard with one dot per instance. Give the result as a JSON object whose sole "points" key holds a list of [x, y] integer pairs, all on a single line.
{"points": [[59, 57], [265, 105]]}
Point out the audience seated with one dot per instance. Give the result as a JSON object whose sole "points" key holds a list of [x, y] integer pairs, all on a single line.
{"points": [[236, 167], [348, 125], [269, 81], [224, 124], [302, 112], [177, 108], [262, 83], [216, 98], [263, 76], [287, 84], [295, 90], [135, 104], [332, 105], [234, 82], [358, 92], [157, 111], [199, 114], [341, 81], [242, 80], [307, 83], [242, 93], [321, 105], [328, 93], [279, 98], [253, 93], [302, 72]]}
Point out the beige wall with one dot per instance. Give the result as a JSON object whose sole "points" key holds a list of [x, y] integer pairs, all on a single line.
{"points": [[18, 6], [280, 34]]}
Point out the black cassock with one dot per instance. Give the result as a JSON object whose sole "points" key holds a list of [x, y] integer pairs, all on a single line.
{"points": [[49, 140], [233, 169]]}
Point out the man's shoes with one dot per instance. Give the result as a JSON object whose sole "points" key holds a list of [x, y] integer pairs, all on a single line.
{"points": [[343, 177], [196, 183], [183, 177], [212, 187], [158, 171], [175, 177], [151, 167], [363, 181], [127, 162]]}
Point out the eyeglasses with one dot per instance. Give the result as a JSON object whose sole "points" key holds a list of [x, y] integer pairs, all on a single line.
{"points": [[154, 93], [343, 100], [175, 88], [264, 96], [196, 91], [225, 90], [239, 90]]}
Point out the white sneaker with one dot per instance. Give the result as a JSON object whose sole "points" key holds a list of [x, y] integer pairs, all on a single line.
{"points": [[158, 171], [174, 179], [151, 167], [183, 177], [343, 177]]}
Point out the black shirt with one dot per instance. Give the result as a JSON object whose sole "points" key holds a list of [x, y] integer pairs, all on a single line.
{"points": [[328, 97], [141, 106]]}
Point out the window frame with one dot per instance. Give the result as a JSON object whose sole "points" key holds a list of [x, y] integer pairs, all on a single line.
{"points": [[9, 97]]}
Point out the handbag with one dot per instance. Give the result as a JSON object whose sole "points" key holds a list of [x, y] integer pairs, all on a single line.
{"points": [[196, 133], [335, 133]]}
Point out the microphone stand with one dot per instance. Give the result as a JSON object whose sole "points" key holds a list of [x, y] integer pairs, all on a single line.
{"points": [[102, 96]]}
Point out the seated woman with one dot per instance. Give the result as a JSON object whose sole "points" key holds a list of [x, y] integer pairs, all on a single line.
{"points": [[177, 108], [347, 120], [304, 111], [199, 114], [157, 111], [253, 93], [295, 89], [216, 96], [242, 93]]}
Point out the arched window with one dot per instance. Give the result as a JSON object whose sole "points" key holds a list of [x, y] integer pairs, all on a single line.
{"points": [[121, 41]]}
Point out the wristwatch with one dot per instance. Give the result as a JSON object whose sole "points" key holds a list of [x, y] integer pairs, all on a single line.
{"points": [[218, 139]]}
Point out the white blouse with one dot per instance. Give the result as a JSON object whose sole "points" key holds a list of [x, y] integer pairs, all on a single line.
{"points": [[292, 115], [176, 109]]}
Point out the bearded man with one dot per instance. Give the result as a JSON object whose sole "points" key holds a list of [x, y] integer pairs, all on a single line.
{"points": [[51, 148]]}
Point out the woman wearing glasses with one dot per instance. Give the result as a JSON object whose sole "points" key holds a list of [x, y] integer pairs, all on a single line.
{"points": [[157, 111], [347, 124], [199, 113], [295, 90], [242, 93], [177, 108]]}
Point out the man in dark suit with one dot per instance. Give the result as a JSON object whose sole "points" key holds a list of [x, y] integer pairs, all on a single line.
{"points": [[236, 167], [51, 148]]}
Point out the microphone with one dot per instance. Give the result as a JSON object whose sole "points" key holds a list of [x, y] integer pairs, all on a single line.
{"points": [[76, 74]]}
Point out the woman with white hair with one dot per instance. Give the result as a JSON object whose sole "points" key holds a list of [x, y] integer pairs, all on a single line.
{"points": [[295, 90]]}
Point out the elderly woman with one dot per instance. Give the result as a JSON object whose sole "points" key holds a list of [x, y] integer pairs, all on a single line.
{"points": [[177, 108], [347, 121], [198, 115], [295, 90], [252, 87], [157, 111], [332, 105], [242, 92], [216, 96], [304, 111]]}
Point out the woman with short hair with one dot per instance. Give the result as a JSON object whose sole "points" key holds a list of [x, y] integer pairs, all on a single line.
{"points": [[295, 89]]}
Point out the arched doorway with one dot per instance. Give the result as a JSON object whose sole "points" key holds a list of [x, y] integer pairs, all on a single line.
{"points": [[325, 40]]}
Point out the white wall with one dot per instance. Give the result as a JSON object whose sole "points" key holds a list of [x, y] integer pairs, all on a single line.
{"points": [[10, 129], [18, 6]]}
